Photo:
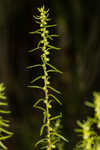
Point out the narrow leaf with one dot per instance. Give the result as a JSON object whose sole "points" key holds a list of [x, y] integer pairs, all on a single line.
{"points": [[37, 102], [44, 119], [52, 71], [5, 137], [54, 35], [42, 128], [41, 108], [44, 147], [55, 141], [48, 26], [2, 123], [37, 78], [80, 124], [55, 98], [78, 130], [3, 104], [37, 87], [56, 117], [89, 104], [41, 141], [53, 89], [5, 111], [60, 136], [36, 17], [39, 43], [5, 131], [3, 146], [54, 68], [38, 22], [38, 65], [37, 48], [6, 121], [53, 47], [35, 32], [2, 97]]}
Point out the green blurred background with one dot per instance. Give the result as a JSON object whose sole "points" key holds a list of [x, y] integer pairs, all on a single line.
{"points": [[78, 24]]}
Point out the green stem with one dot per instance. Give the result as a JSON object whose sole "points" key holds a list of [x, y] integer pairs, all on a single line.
{"points": [[46, 92]]}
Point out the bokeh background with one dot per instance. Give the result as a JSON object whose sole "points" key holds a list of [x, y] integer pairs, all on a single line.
{"points": [[78, 24]]}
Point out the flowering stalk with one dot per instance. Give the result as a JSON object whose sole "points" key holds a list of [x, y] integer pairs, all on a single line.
{"points": [[45, 103], [87, 133], [90, 138], [4, 133]]}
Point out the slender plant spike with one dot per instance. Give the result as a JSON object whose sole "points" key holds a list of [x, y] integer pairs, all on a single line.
{"points": [[51, 134], [88, 129], [4, 124]]}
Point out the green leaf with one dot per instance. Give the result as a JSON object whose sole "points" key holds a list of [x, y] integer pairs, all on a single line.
{"points": [[80, 124], [78, 130], [2, 123], [2, 96], [55, 141], [38, 22], [35, 32], [49, 26], [32, 50], [5, 137], [37, 87], [41, 141], [55, 98], [3, 146], [45, 116], [53, 89], [38, 101], [42, 128], [53, 47], [37, 78], [60, 136], [54, 68], [36, 17], [5, 131], [56, 117], [54, 35], [38, 65], [39, 43], [89, 104], [41, 108], [6, 121], [5, 111], [52, 71], [3, 104], [44, 147]]}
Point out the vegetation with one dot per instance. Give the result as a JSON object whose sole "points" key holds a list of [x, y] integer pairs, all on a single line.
{"points": [[79, 40], [89, 128], [4, 123], [46, 103]]}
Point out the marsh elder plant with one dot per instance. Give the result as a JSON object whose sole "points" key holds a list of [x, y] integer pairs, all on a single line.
{"points": [[4, 123], [49, 131], [90, 128]]}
